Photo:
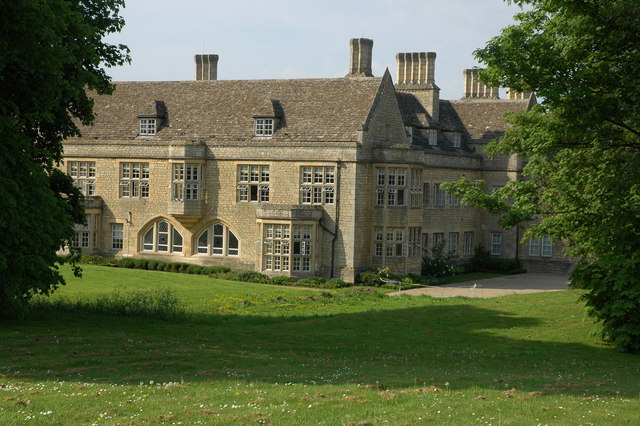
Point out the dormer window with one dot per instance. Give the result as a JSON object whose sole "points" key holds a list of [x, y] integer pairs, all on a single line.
{"points": [[263, 127], [457, 140], [433, 137], [148, 126]]}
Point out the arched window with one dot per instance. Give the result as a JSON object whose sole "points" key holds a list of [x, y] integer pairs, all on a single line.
{"points": [[218, 240], [162, 236]]}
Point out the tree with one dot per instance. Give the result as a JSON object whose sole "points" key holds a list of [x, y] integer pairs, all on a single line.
{"points": [[51, 54], [581, 145]]}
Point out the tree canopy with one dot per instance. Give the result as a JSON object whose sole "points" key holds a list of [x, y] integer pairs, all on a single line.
{"points": [[581, 145], [51, 54]]}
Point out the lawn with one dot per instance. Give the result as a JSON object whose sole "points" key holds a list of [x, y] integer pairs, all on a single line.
{"points": [[251, 353]]}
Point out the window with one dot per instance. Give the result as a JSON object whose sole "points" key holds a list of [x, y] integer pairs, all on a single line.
{"points": [[162, 236], [416, 187], [317, 185], [496, 243], [263, 127], [467, 243], [253, 183], [84, 176], [433, 137], [457, 140], [86, 235], [438, 239], [547, 247], [453, 243], [534, 247], [425, 195], [541, 247], [438, 195], [454, 201], [392, 242], [218, 240], [186, 182], [392, 183], [415, 249], [148, 126], [117, 236], [134, 180], [287, 247]]}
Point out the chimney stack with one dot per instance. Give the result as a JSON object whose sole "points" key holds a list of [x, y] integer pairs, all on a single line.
{"points": [[361, 49], [416, 74], [206, 67], [474, 88], [512, 94], [416, 68]]}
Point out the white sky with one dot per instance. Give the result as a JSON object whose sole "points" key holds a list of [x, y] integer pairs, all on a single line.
{"points": [[258, 39]]}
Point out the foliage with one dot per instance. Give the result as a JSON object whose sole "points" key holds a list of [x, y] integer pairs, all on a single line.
{"points": [[247, 276], [437, 263], [581, 144], [369, 278], [482, 261], [311, 281], [50, 54]]}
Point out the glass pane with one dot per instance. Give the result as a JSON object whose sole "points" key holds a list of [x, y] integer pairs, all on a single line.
{"points": [[203, 242], [233, 244], [148, 240]]}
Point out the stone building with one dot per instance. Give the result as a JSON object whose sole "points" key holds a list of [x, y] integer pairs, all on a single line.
{"points": [[295, 177]]}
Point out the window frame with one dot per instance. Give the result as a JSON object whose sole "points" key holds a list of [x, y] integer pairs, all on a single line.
{"points": [[253, 183], [496, 244], [155, 243], [264, 127], [212, 248], [317, 184]]}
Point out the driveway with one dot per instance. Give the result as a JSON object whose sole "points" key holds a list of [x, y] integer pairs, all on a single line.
{"points": [[493, 287]]}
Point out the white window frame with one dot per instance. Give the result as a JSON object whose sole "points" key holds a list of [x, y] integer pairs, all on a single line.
{"points": [[253, 183], [83, 174], [496, 243], [433, 137], [134, 179], [217, 239], [467, 248], [117, 236], [148, 126], [157, 239], [186, 181], [317, 184], [457, 140], [454, 238], [264, 127]]}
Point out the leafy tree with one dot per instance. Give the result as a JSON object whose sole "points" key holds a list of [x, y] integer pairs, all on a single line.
{"points": [[51, 53], [581, 145]]}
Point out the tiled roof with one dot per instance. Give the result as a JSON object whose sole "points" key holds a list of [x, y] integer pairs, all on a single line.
{"points": [[483, 119], [309, 109]]}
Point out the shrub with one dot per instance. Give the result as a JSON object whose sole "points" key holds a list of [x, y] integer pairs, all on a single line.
{"points": [[94, 260], [311, 281], [126, 262], [247, 276], [140, 263], [335, 283], [370, 277], [152, 264], [482, 261], [208, 270], [282, 280], [194, 269], [437, 263]]}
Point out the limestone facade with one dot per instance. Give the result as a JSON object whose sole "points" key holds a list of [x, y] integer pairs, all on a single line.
{"points": [[295, 177]]}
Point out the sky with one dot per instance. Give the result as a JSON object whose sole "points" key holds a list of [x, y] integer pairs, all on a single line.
{"points": [[280, 39]]}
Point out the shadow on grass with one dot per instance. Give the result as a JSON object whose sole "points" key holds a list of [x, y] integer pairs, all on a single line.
{"points": [[457, 345]]}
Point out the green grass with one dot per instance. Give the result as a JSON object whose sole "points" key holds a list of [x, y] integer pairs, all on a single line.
{"points": [[254, 353]]}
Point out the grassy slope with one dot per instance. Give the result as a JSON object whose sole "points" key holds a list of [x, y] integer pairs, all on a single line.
{"points": [[250, 353]]}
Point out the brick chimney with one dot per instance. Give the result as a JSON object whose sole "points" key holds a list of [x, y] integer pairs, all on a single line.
{"points": [[360, 65], [206, 67], [416, 74], [474, 88]]}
